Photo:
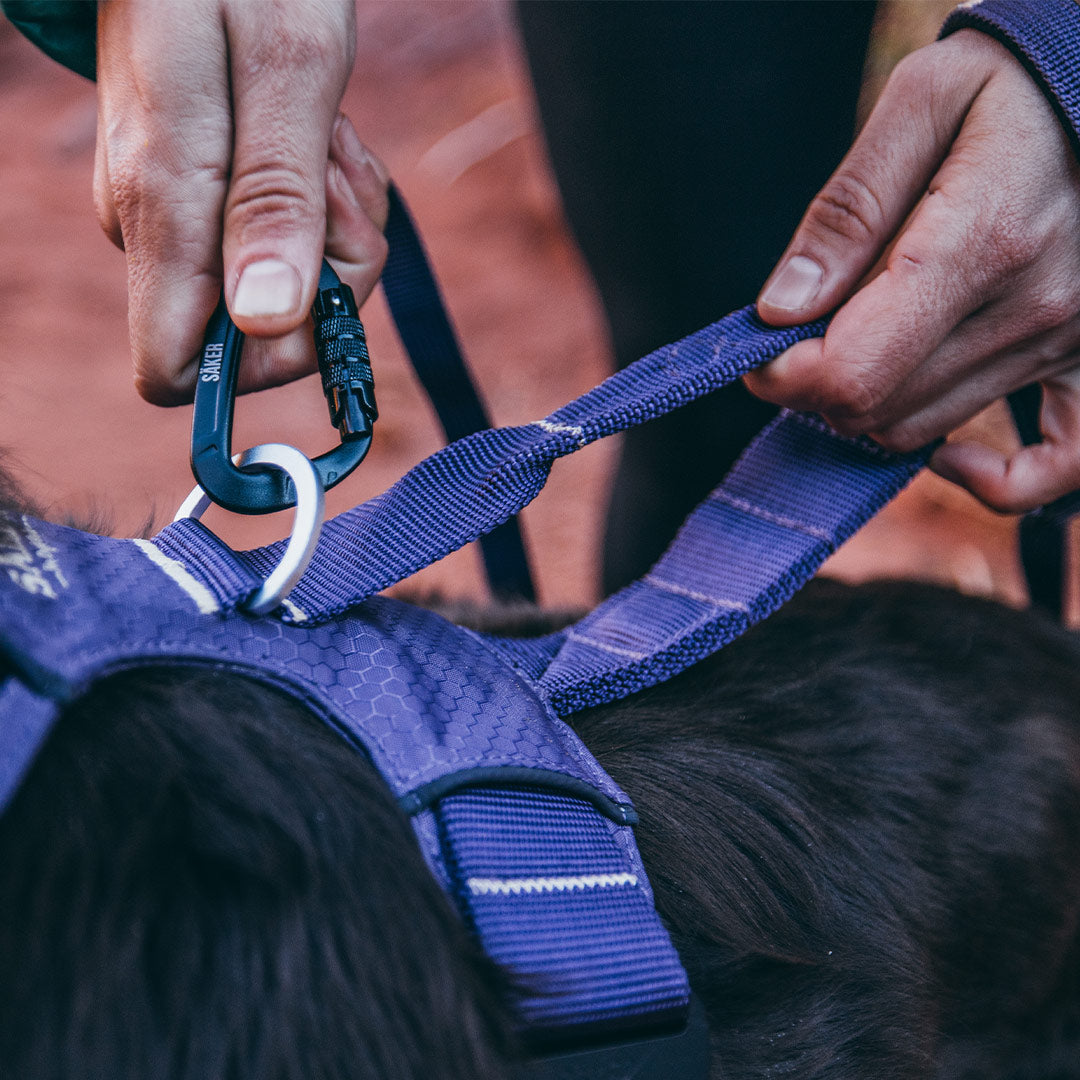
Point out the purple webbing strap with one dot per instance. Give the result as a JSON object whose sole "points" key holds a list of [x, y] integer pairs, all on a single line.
{"points": [[576, 915], [468, 488], [797, 493]]}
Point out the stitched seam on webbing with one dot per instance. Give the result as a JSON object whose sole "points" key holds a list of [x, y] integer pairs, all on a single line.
{"points": [[532, 885], [760, 512]]}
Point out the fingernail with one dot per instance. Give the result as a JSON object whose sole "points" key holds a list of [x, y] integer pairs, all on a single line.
{"points": [[341, 184], [795, 284], [267, 287]]}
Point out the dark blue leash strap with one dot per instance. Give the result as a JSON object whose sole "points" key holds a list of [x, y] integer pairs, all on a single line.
{"points": [[425, 330]]}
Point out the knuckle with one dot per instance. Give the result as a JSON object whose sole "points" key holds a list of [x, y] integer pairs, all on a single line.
{"points": [[1053, 307], [105, 211], [901, 438], [846, 207], [851, 400], [1013, 249], [289, 44], [164, 388], [378, 248], [908, 77], [929, 74], [271, 196]]}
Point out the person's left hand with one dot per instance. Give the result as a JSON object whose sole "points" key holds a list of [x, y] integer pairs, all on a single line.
{"points": [[222, 161]]}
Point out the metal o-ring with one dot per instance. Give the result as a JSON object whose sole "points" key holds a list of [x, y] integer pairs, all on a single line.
{"points": [[307, 523]]}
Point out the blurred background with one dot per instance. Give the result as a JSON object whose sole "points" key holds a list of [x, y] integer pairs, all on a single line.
{"points": [[441, 92]]}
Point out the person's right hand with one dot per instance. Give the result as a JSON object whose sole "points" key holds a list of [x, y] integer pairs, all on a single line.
{"points": [[222, 158], [949, 241]]}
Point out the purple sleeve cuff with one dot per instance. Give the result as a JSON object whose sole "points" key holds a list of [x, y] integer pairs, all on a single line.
{"points": [[1044, 35]]}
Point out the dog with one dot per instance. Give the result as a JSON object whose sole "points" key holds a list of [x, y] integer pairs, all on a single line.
{"points": [[861, 822]]}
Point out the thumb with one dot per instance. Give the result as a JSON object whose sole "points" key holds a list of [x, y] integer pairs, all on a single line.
{"points": [[858, 212], [287, 78]]}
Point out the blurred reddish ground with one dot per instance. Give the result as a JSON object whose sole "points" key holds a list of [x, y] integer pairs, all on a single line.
{"points": [[441, 94]]}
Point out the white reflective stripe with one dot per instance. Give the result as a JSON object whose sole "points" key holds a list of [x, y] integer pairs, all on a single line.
{"points": [[203, 597], [555, 429], [516, 886], [297, 614]]}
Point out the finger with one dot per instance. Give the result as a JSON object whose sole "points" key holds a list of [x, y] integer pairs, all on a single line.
{"points": [[357, 251], [859, 210], [366, 174], [1032, 475], [889, 328], [356, 248], [356, 211], [162, 159], [104, 204], [288, 76], [1011, 342]]}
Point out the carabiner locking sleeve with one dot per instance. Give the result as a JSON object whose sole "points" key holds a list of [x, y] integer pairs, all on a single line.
{"points": [[347, 382]]}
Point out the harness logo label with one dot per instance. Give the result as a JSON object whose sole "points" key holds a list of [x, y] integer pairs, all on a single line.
{"points": [[28, 560], [210, 370]]}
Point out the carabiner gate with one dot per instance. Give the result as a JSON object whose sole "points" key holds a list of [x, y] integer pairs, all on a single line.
{"points": [[345, 368]]}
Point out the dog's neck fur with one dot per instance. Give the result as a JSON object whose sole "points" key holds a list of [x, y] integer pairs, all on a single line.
{"points": [[861, 822]]}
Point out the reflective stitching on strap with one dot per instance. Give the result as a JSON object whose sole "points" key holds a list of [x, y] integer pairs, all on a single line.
{"points": [[693, 594], [633, 654], [517, 886], [203, 597], [773, 519], [555, 429]]}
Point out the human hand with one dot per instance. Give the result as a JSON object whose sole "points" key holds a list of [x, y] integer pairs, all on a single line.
{"points": [[950, 235], [221, 156]]}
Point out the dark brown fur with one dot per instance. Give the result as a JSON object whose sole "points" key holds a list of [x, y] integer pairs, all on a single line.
{"points": [[862, 823]]}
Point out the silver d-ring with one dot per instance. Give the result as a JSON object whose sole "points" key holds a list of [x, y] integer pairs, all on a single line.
{"points": [[307, 524]]}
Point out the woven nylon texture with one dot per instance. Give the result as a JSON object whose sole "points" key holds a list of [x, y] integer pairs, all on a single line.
{"points": [[421, 320], [425, 699], [797, 493], [524, 892], [465, 490]]}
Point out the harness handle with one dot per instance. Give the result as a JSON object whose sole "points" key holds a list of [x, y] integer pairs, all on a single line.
{"points": [[345, 367]]}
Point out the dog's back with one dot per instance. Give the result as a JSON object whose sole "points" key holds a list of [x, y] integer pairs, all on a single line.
{"points": [[862, 823]]}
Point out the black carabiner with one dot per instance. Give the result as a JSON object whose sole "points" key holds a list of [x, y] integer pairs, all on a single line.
{"points": [[345, 368]]}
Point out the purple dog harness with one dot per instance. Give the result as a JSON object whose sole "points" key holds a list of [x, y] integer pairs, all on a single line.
{"points": [[520, 824], [528, 835]]}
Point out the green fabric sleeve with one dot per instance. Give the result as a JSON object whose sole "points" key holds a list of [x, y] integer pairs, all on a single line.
{"points": [[66, 30]]}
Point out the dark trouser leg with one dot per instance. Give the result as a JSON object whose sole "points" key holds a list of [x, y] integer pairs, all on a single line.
{"points": [[687, 139]]}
